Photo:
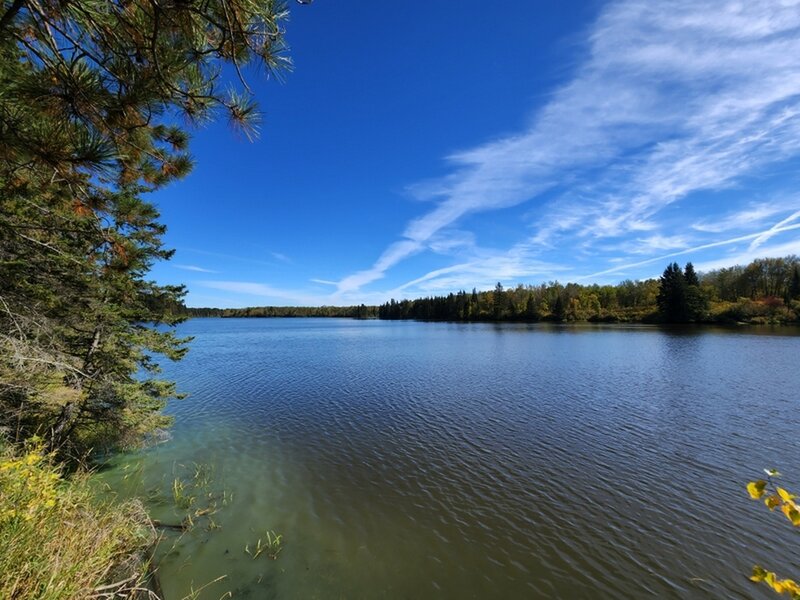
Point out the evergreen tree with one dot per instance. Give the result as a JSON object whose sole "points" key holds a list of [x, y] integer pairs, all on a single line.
{"points": [[696, 304], [89, 92], [671, 300], [531, 311], [499, 301], [559, 312], [673, 296], [794, 284], [696, 300], [690, 275]]}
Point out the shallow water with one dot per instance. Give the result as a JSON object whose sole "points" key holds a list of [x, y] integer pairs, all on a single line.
{"points": [[410, 460]]}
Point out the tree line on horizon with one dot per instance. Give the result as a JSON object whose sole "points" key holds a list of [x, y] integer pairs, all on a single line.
{"points": [[348, 312], [765, 291]]}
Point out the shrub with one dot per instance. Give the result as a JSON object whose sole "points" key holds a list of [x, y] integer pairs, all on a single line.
{"points": [[58, 541]]}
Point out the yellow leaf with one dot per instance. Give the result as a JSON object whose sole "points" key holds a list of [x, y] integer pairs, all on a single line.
{"points": [[759, 573], [785, 496], [772, 502], [792, 514], [756, 488]]}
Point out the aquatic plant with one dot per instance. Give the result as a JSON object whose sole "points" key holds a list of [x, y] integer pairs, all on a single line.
{"points": [[194, 594], [271, 545], [180, 496], [193, 495]]}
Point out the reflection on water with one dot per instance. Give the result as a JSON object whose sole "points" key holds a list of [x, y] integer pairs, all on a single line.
{"points": [[408, 460]]}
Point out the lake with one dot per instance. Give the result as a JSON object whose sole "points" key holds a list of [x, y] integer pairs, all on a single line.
{"points": [[402, 459]]}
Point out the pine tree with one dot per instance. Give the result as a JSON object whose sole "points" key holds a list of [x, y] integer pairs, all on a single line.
{"points": [[671, 299], [559, 312], [690, 275], [499, 302], [794, 284], [531, 311], [696, 300], [89, 92]]}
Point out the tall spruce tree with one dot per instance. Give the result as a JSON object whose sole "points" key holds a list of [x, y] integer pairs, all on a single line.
{"points": [[680, 299], [90, 94], [696, 300], [793, 292], [671, 297], [690, 275]]}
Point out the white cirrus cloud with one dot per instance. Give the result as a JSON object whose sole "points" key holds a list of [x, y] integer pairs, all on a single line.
{"points": [[669, 99], [194, 268]]}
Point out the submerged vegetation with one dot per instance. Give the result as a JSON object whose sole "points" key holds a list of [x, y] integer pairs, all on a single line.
{"points": [[271, 544], [91, 93]]}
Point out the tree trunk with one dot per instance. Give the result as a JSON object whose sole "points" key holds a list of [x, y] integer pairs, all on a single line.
{"points": [[65, 422], [61, 428], [9, 15]]}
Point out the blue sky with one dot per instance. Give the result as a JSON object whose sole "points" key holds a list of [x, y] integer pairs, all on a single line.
{"points": [[419, 149]]}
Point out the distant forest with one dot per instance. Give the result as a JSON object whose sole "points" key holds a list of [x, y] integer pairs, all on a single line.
{"points": [[351, 312], [765, 291]]}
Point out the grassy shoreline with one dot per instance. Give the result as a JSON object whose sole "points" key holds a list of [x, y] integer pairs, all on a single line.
{"points": [[60, 540]]}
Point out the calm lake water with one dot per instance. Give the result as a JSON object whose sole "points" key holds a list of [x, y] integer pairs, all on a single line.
{"points": [[417, 460]]}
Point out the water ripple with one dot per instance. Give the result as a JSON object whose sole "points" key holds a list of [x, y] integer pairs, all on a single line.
{"points": [[404, 460]]}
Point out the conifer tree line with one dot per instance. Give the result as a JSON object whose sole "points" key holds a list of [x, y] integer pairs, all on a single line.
{"points": [[95, 101], [765, 291], [349, 312]]}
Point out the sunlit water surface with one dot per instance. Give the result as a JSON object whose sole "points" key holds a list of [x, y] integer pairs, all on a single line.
{"points": [[414, 460]]}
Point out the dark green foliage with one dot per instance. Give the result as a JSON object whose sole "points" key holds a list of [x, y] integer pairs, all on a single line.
{"points": [[680, 299], [793, 293], [347, 312], [690, 275], [696, 304], [90, 92], [761, 278], [558, 309], [630, 301], [531, 309], [670, 299]]}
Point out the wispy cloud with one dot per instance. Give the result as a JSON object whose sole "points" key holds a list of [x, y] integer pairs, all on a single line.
{"points": [[655, 243], [390, 257], [773, 231], [670, 99], [280, 257], [730, 260], [743, 258], [751, 215], [242, 259], [194, 268], [482, 273], [264, 291], [265, 294]]}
